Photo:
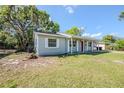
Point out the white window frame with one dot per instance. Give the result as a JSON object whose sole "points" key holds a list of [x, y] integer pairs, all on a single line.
{"points": [[46, 43]]}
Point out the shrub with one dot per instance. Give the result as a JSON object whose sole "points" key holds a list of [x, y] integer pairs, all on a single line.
{"points": [[120, 45]]}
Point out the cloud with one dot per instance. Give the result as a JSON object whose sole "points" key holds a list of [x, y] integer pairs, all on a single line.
{"points": [[114, 33], [70, 9], [96, 35], [82, 27], [92, 35], [86, 34]]}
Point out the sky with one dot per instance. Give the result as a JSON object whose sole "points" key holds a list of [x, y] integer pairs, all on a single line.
{"points": [[96, 20]]}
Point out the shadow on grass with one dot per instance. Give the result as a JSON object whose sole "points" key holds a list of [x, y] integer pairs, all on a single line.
{"points": [[88, 53], [4, 53]]}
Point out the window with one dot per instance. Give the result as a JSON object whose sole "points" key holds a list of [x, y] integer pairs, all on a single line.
{"points": [[74, 43], [52, 42], [90, 44]]}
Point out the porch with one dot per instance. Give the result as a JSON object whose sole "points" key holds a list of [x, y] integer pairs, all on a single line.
{"points": [[76, 45]]}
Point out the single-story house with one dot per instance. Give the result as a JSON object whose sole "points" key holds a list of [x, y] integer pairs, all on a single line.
{"points": [[61, 43]]}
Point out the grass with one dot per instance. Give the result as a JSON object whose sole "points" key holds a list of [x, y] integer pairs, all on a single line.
{"points": [[84, 70]]}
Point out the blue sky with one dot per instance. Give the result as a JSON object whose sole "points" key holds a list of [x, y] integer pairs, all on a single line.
{"points": [[97, 20]]}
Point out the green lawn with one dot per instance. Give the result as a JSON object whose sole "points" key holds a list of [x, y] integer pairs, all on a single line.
{"points": [[86, 70]]}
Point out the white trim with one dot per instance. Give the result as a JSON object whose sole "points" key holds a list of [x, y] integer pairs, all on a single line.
{"points": [[98, 47], [37, 44], [66, 35], [68, 45], [71, 45], [87, 46], [77, 46], [46, 43], [83, 45], [47, 34], [57, 45], [92, 46]]}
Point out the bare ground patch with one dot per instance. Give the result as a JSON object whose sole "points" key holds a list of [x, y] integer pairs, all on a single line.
{"points": [[118, 61], [21, 61]]}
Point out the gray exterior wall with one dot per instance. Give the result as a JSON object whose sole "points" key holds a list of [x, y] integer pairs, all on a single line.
{"points": [[41, 50], [63, 45]]}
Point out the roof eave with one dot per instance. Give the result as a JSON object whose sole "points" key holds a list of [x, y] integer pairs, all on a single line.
{"points": [[47, 34]]}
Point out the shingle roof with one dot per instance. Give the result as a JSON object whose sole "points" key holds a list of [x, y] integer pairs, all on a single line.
{"points": [[65, 35]]}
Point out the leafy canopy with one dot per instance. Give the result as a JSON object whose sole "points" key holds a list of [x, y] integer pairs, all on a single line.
{"points": [[23, 20], [121, 16], [7, 40], [74, 31], [108, 39], [120, 44]]}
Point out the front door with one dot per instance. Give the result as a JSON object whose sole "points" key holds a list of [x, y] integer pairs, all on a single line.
{"points": [[82, 46]]}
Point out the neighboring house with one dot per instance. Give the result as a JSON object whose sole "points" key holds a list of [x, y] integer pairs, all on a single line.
{"points": [[60, 43], [100, 46]]}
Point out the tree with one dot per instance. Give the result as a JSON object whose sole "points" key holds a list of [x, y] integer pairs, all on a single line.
{"points": [[121, 16], [18, 18], [23, 20], [108, 39], [120, 44], [55, 27], [7, 40], [74, 31], [43, 23]]}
